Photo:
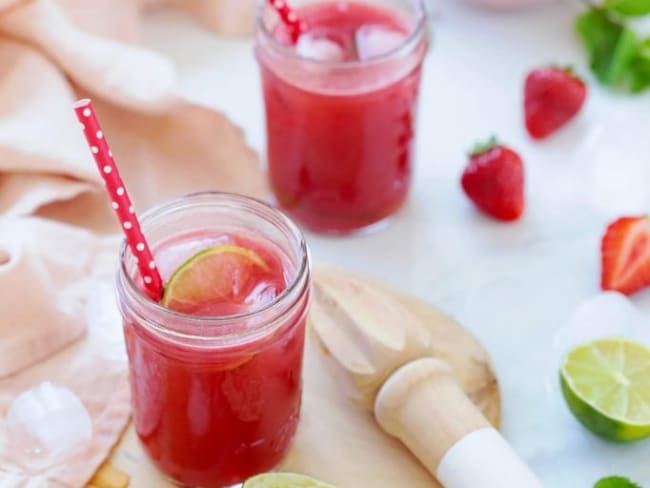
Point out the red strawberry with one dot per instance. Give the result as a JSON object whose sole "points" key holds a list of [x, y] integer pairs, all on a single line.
{"points": [[494, 180], [625, 254], [552, 97]]}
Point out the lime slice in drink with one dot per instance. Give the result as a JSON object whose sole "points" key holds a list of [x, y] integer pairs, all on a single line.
{"points": [[216, 274], [284, 480], [606, 384]]}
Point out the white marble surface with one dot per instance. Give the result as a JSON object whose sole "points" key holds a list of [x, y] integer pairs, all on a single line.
{"points": [[514, 285]]}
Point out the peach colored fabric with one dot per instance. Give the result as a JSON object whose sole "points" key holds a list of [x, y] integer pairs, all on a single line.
{"points": [[41, 302], [52, 206], [106, 398], [46, 45], [102, 386], [49, 274]]}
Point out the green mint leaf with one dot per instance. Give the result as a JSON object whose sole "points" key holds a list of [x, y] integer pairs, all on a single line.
{"points": [[639, 71], [616, 482], [611, 45], [628, 7]]}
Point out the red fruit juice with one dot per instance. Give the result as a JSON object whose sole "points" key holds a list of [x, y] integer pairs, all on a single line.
{"points": [[340, 132], [212, 413]]}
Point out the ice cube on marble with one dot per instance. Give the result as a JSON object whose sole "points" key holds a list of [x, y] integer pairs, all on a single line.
{"points": [[52, 415], [607, 314], [320, 48], [376, 40], [612, 168]]}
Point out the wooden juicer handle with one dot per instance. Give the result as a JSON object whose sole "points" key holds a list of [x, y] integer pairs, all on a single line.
{"points": [[422, 405]]}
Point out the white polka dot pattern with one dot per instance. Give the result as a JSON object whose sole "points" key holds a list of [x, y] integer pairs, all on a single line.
{"points": [[289, 18], [120, 201]]}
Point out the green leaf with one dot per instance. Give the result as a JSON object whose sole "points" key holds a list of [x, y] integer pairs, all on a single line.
{"points": [[639, 71], [483, 147], [628, 7], [616, 482], [611, 45]]}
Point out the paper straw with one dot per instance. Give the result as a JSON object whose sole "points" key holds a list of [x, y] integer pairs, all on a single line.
{"points": [[289, 18], [120, 200]]}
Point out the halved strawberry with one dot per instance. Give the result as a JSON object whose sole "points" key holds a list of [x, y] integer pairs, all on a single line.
{"points": [[625, 254]]}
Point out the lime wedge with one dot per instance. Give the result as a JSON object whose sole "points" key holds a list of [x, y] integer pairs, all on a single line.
{"points": [[606, 384], [284, 480], [217, 274]]}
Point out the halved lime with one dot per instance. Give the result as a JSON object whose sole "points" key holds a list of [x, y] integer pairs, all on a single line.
{"points": [[214, 275], [606, 384], [284, 480]]}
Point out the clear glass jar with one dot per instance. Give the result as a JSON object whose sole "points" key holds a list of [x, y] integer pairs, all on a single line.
{"points": [[341, 133], [216, 399]]}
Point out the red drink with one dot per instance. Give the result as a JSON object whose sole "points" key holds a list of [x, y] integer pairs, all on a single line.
{"points": [[340, 129], [216, 394]]}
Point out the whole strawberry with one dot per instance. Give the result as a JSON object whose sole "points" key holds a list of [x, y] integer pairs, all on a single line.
{"points": [[494, 180], [552, 97], [625, 255]]}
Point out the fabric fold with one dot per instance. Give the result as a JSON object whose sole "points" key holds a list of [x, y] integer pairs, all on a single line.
{"points": [[55, 267]]}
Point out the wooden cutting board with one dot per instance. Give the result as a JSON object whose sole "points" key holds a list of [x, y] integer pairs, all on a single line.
{"points": [[337, 441]]}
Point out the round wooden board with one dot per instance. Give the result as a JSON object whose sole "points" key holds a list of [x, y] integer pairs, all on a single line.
{"points": [[339, 442]]}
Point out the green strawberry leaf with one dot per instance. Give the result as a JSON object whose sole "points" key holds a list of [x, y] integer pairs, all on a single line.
{"points": [[611, 45], [616, 482], [483, 147], [628, 7]]}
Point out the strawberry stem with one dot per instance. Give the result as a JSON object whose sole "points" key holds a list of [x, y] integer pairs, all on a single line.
{"points": [[483, 147], [569, 69]]}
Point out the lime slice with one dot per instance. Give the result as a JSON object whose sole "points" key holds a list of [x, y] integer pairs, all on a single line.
{"points": [[606, 384], [217, 274], [284, 480]]}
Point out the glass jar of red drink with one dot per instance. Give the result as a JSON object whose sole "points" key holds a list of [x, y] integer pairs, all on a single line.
{"points": [[341, 108], [216, 395]]}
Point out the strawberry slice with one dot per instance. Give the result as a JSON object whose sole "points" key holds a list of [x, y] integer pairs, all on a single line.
{"points": [[625, 253]]}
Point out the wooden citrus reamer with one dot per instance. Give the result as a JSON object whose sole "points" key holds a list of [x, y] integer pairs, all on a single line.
{"points": [[385, 357]]}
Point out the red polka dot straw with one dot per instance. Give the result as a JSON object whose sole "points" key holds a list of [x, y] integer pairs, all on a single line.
{"points": [[120, 200], [289, 18]]}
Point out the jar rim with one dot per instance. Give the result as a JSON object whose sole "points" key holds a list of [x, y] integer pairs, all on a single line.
{"points": [[408, 44], [139, 296]]}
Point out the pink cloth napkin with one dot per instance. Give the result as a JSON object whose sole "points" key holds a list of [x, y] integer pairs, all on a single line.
{"points": [[50, 276], [51, 53]]}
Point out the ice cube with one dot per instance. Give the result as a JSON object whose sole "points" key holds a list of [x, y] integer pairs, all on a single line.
{"points": [[375, 40], [262, 294], [320, 48], [611, 167], [52, 415], [104, 320], [606, 314]]}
